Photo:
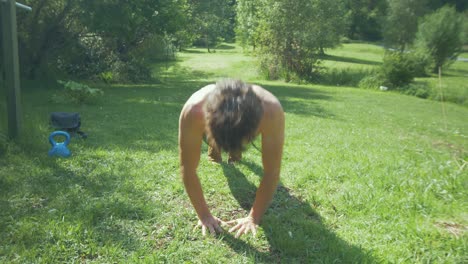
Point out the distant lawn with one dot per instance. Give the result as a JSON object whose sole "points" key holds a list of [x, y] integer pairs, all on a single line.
{"points": [[350, 62], [342, 66], [354, 55], [367, 176]]}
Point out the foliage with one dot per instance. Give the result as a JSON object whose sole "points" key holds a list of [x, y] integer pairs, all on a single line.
{"points": [[397, 69], [247, 22], [366, 19], [401, 22], [440, 35], [421, 90], [292, 48], [100, 39], [85, 38], [78, 93], [422, 62], [87, 57], [372, 81], [212, 21], [461, 6], [3, 144], [343, 76]]}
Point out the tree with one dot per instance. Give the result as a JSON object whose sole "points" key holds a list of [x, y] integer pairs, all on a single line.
{"points": [[291, 34], [401, 23], [332, 23], [247, 22], [84, 37], [461, 6], [213, 20], [366, 17], [440, 35]]}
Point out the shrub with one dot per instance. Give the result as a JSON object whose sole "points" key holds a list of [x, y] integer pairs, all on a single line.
{"points": [[373, 81], [344, 77], [78, 93], [397, 69], [107, 76], [421, 90], [269, 67], [422, 63], [87, 57], [131, 70]]}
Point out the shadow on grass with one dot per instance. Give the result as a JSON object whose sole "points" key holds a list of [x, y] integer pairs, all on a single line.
{"points": [[196, 51], [300, 100], [349, 60], [453, 72], [343, 77], [225, 46], [173, 72], [294, 230], [61, 215]]}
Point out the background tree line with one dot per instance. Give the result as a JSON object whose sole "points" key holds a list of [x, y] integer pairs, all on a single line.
{"points": [[117, 40], [291, 37]]}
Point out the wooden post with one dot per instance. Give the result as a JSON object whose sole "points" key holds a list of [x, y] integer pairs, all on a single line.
{"points": [[11, 66]]}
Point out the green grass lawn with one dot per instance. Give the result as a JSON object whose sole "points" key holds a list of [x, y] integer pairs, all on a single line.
{"points": [[367, 176]]}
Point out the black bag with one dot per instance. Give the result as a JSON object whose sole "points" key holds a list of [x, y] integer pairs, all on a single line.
{"points": [[68, 122]]}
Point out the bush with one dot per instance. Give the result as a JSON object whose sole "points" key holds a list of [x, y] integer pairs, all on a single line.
{"points": [[344, 77], [421, 90], [87, 58], [397, 69], [78, 93], [131, 70], [422, 63], [269, 67], [373, 81]]}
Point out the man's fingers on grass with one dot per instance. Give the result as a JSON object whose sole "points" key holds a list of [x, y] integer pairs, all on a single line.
{"points": [[212, 230], [221, 222], [231, 222], [234, 228], [240, 232], [254, 231], [219, 229]]}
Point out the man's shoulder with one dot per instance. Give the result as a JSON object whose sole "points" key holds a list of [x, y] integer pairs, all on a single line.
{"points": [[200, 95], [269, 100], [194, 105]]}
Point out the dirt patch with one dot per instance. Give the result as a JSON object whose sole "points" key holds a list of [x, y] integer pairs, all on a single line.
{"points": [[453, 228]]}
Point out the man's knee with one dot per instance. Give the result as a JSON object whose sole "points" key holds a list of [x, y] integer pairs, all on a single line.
{"points": [[214, 154], [235, 156]]}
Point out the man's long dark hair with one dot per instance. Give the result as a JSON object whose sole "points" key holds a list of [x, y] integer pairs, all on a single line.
{"points": [[232, 113]]}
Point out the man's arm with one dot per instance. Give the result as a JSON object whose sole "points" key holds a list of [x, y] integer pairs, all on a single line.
{"points": [[190, 140], [272, 150]]}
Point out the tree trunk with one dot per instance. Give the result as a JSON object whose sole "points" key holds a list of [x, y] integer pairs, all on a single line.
{"points": [[207, 44], [321, 50]]}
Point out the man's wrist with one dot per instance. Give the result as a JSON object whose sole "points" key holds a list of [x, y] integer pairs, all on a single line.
{"points": [[256, 220]]}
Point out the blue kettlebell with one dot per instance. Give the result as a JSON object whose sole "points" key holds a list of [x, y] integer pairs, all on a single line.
{"points": [[59, 149]]}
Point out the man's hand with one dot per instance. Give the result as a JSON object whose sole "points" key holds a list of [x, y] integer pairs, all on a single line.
{"points": [[243, 226], [213, 224]]}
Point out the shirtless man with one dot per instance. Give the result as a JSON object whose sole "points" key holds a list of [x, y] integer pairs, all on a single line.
{"points": [[231, 114]]}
